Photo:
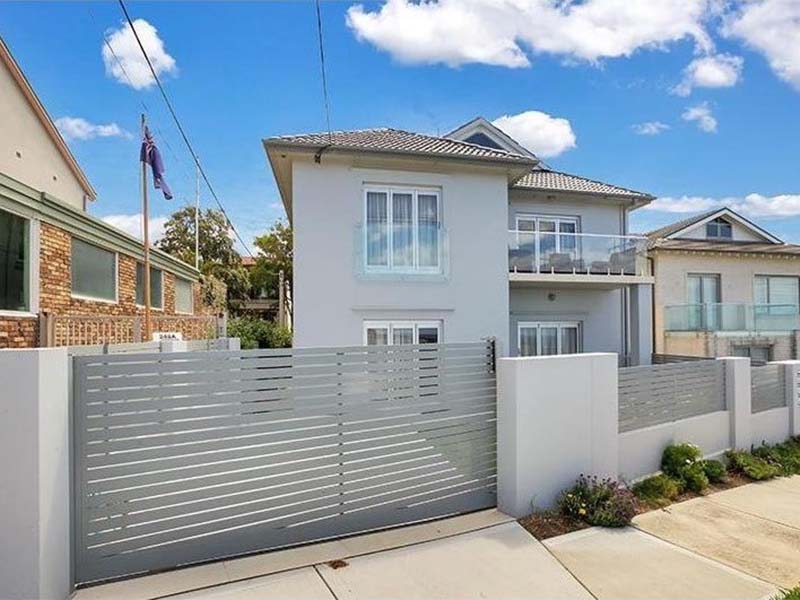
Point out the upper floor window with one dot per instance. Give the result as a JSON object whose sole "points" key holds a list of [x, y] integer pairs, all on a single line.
{"points": [[402, 230], [14, 262], [719, 228], [777, 290], [156, 286], [94, 272]]}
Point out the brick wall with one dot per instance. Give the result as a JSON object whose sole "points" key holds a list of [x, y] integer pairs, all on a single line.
{"points": [[55, 298]]}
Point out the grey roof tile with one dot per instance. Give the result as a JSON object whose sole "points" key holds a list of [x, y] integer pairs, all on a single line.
{"points": [[396, 140], [547, 179]]}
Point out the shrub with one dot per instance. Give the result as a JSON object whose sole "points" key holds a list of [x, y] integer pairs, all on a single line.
{"points": [[684, 463], [657, 491], [752, 466], [785, 456], [598, 502], [715, 471], [258, 333], [793, 594]]}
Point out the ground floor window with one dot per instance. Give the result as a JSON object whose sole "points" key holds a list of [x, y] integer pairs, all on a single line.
{"points": [[94, 272], [156, 286], [184, 302], [382, 333], [545, 338], [14, 262], [757, 353]]}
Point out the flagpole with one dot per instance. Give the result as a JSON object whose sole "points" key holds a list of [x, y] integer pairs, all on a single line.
{"points": [[197, 218], [148, 328]]}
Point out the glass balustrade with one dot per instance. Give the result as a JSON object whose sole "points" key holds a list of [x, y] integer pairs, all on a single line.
{"points": [[732, 316]]}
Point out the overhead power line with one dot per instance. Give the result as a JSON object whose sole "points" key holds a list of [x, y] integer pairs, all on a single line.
{"points": [[324, 77], [181, 130]]}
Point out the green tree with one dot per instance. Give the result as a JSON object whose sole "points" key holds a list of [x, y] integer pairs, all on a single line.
{"points": [[275, 254], [218, 258]]}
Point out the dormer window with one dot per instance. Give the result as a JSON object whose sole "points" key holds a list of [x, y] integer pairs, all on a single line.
{"points": [[719, 228]]}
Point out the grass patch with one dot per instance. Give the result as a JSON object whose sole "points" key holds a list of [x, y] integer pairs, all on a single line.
{"points": [[793, 594]]}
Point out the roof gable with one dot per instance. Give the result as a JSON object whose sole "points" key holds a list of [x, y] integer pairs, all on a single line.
{"points": [[479, 130], [7, 59], [686, 228]]}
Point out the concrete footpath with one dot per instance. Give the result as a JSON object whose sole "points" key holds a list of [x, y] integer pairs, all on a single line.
{"points": [[741, 544]]}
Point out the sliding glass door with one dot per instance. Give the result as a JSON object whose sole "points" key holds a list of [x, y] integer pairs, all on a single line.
{"points": [[545, 338]]}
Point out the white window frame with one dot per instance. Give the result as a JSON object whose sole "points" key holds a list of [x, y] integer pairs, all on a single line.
{"points": [[32, 268], [400, 324], [159, 308], [191, 295], [415, 191], [116, 275], [716, 222], [557, 219], [538, 326]]}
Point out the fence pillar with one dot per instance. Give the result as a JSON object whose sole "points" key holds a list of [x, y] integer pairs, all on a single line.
{"points": [[137, 330], [557, 417], [222, 325], [738, 400], [641, 325], [35, 474], [791, 382]]}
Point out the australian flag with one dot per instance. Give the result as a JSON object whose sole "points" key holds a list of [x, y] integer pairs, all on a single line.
{"points": [[150, 155]]}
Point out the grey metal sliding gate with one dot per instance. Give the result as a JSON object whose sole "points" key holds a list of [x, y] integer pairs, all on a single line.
{"points": [[189, 457]]}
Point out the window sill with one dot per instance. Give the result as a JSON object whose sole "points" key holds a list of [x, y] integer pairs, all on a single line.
{"points": [[18, 314], [402, 276], [142, 306], [91, 299]]}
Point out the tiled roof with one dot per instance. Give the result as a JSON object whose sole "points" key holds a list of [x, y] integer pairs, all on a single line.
{"points": [[668, 230], [726, 247], [396, 140], [546, 179]]}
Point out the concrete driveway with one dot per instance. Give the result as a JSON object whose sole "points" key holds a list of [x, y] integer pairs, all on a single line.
{"points": [[742, 544], [754, 528]]}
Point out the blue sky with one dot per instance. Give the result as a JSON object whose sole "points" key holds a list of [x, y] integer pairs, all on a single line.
{"points": [[716, 88]]}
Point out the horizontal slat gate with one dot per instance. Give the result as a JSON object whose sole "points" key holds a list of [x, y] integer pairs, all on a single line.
{"points": [[188, 457], [768, 389], [656, 394]]}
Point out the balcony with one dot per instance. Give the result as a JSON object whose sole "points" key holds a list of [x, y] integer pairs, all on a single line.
{"points": [[577, 258], [740, 317]]}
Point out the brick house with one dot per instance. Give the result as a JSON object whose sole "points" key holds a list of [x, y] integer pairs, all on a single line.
{"points": [[67, 277]]}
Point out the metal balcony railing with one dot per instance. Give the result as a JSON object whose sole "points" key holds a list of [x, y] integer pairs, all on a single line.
{"points": [[577, 253]]}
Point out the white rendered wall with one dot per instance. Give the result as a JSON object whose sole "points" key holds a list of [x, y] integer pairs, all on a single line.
{"points": [[557, 418], [640, 450], [770, 426], [34, 474], [331, 302]]}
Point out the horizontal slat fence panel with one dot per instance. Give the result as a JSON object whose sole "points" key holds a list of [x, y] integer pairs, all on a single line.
{"points": [[768, 388], [656, 394], [193, 456]]}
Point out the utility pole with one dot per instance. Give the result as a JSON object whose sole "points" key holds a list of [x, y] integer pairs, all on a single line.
{"points": [[197, 218], [148, 326]]}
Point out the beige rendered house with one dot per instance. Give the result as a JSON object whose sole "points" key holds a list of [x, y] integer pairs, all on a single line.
{"points": [[725, 287], [67, 278]]}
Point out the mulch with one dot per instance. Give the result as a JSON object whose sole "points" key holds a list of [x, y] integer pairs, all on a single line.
{"points": [[550, 523]]}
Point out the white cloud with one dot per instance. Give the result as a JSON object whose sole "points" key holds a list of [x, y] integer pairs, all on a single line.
{"points": [[132, 225], [650, 128], [132, 68], [542, 134], [495, 32], [715, 71], [773, 28], [753, 205], [75, 128], [702, 115]]}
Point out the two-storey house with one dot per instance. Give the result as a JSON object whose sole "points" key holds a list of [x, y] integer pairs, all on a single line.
{"points": [[404, 238], [725, 287]]}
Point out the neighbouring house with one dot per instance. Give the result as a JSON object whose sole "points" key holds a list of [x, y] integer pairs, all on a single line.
{"points": [[401, 237], [725, 287], [67, 277]]}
